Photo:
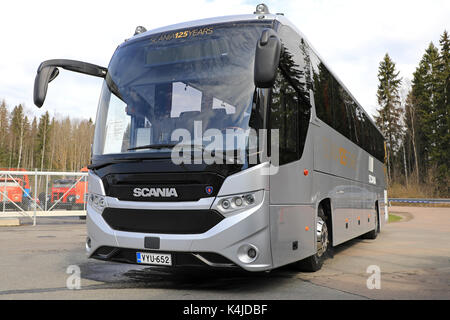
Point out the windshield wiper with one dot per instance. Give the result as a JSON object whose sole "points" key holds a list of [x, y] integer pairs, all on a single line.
{"points": [[153, 146], [167, 146]]}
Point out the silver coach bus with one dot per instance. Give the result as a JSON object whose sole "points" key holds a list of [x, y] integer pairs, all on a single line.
{"points": [[227, 74]]}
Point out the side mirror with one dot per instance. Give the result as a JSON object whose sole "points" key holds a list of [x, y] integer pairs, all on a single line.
{"points": [[267, 58], [48, 71]]}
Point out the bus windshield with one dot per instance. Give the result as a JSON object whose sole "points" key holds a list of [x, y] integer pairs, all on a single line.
{"points": [[193, 79]]}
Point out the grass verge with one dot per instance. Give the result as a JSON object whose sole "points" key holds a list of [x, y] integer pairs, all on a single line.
{"points": [[394, 218]]}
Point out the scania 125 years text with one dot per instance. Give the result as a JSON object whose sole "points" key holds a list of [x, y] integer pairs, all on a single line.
{"points": [[298, 164]]}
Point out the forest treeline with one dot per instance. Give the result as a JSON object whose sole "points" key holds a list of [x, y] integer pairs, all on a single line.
{"points": [[414, 118], [43, 143]]}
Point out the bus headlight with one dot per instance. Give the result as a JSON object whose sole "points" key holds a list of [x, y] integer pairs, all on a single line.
{"points": [[238, 202], [98, 202]]}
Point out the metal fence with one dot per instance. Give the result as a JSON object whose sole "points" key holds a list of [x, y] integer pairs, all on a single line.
{"points": [[418, 200], [34, 193]]}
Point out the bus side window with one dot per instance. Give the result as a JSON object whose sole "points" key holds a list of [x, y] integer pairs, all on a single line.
{"points": [[290, 105], [284, 117]]}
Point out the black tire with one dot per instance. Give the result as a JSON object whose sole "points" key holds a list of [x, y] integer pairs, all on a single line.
{"points": [[372, 235], [49, 205], [315, 262], [41, 198], [25, 205], [77, 206]]}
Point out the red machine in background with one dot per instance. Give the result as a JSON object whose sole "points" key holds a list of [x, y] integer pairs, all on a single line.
{"points": [[72, 195], [16, 190], [10, 192]]}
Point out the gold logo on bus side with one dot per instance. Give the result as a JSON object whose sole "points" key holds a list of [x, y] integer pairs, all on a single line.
{"points": [[343, 156], [338, 154]]}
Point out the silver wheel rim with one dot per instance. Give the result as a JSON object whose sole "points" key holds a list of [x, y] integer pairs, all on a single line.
{"points": [[322, 237]]}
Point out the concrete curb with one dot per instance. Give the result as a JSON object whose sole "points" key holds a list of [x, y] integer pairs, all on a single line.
{"points": [[9, 222]]}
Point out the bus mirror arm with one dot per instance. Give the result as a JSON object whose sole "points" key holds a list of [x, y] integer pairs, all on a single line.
{"points": [[48, 71], [267, 58]]}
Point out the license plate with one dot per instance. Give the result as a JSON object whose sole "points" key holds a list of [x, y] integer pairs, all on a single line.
{"points": [[161, 259]]}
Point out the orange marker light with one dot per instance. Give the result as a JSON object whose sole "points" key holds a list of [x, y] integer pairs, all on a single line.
{"points": [[305, 172], [306, 228]]}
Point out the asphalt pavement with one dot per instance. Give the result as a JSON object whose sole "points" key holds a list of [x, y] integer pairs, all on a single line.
{"points": [[412, 255]]}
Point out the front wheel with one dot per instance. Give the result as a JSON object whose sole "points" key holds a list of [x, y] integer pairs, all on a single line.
{"points": [[315, 262]]}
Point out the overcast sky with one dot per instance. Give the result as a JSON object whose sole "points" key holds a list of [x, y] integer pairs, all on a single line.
{"points": [[352, 36]]}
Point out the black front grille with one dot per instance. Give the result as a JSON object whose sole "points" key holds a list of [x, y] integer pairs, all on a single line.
{"points": [[162, 221], [57, 196]]}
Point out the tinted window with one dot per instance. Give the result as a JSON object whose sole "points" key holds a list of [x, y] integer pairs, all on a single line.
{"points": [[290, 107], [295, 61], [336, 107], [284, 116]]}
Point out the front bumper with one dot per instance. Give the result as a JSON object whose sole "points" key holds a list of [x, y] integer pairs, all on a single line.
{"points": [[179, 259], [220, 246]]}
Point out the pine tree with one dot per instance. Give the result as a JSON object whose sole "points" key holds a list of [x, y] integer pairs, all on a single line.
{"points": [[389, 116], [4, 132], [431, 87], [33, 140], [442, 153], [17, 132], [42, 140], [422, 90], [412, 129], [445, 67], [26, 143]]}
